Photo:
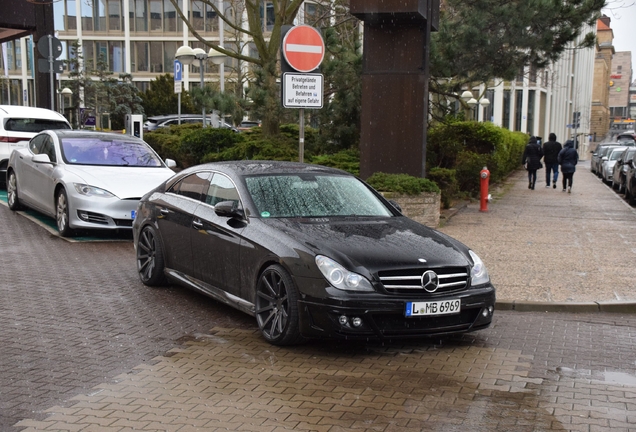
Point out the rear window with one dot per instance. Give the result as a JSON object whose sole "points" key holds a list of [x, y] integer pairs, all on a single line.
{"points": [[33, 125]]}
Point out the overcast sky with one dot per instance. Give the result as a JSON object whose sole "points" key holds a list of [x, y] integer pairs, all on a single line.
{"points": [[623, 15]]}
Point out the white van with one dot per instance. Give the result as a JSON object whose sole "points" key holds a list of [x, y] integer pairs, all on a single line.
{"points": [[18, 124]]}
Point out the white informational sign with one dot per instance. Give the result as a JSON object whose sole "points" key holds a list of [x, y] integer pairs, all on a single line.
{"points": [[177, 86], [302, 90]]}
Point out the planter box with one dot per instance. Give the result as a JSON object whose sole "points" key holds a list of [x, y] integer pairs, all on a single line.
{"points": [[423, 208]]}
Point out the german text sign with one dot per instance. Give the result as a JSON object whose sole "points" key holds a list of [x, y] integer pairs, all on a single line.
{"points": [[303, 48], [302, 90]]}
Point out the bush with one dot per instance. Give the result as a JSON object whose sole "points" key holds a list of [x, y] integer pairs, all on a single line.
{"points": [[346, 160], [167, 146], [446, 179], [197, 143], [402, 183]]}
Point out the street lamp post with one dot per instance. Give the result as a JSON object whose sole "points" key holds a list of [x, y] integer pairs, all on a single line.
{"points": [[63, 93], [468, 98], [485, 103], [218, 58]]}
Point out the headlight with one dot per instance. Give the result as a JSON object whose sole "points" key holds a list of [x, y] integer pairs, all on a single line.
{"points": [[478, 273], [87, 190], [340, 277]]}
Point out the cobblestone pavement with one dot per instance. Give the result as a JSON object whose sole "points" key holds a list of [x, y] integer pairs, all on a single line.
{"points": [[85, 346]]}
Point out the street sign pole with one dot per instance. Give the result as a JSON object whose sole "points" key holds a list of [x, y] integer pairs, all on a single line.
{"points": [[301, 136], [51, 61]]}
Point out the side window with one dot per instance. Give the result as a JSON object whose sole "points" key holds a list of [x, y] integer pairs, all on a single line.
{"points": [[192, 186], [221, 189], [49, 149], [36, 143]]}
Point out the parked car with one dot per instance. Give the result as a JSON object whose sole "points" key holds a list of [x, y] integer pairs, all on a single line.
{"points": [[597, 156], [248, 124], [158, 122], [310, 251], [608, 162], [620, 169], [84, 179], [18, 124], [626, 138]]}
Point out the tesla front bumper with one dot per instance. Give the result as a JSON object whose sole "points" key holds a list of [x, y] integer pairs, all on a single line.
{"points": [[102, 213]]}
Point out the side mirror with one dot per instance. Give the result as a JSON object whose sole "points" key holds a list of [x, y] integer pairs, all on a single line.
{"points": [[170, 163], [41, 158], [396, 205], [229, 209]]}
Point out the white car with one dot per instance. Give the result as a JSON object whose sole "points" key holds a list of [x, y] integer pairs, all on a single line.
{"points": [[84, 179], [18, 124]]}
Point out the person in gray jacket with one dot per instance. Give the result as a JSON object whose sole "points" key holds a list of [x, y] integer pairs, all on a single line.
{"points": [[568, 158]]}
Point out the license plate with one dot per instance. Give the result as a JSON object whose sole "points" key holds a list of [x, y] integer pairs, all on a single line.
{"points": [[133, 214], [442, 307]]}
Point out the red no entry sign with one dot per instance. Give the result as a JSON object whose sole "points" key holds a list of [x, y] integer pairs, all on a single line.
{"points": [[303, 48]]}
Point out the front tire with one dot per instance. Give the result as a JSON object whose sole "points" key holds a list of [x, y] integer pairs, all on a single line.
{"points": [[62, 214], [150, 260], [12, 192], [277, 307]]}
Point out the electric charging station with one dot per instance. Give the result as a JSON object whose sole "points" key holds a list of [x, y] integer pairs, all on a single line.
{"points": [[134, 125]]}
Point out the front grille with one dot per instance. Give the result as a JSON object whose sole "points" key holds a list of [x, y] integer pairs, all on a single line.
{"points": [[397, 324], [409, 281]]}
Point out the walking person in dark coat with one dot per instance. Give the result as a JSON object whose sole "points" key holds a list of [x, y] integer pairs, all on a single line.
{"points": [[532, 157], [551, 151], [568, 158]]}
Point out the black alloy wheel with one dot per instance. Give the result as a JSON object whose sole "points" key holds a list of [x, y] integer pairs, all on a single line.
{"points": [[277, 307], [150, 261], [12, 192], [62, 214]]}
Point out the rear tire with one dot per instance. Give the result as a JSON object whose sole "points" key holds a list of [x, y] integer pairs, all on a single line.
{"points": [[277, 307], [12, 192], [150, 260], [62, 213]]}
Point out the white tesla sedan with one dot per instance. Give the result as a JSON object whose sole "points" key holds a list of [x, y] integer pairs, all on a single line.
{"points": [[84, 179]]}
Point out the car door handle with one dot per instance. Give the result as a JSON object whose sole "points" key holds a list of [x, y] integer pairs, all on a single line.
{"points": [[197, 224], [164, 211]]}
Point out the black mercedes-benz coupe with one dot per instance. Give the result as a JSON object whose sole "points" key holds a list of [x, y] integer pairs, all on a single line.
{"points": [[310, 251]]}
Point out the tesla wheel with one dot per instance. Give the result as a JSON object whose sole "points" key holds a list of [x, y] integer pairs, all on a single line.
{"points": [[277, 307], [12, 192], [62, 214], [150, 262]]}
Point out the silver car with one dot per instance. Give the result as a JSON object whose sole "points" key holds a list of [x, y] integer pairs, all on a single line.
{"points": [[84, 179], [608, 162]]}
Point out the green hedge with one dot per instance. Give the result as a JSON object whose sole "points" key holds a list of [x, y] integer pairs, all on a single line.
{"points": [[401, 183]]}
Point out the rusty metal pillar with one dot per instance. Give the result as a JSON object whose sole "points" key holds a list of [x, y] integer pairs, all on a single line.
{"points": [[395, 84]]}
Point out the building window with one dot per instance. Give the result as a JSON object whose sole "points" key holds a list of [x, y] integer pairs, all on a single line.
{"points": [[89, 54], [488, 111], [520, 74], [87, 16], [316, 15], [116, 57], [155, 15], [156, 57], [169, 51], [268, 15], [100, 17], [518, 109], [140, 10], [141, 57], [506, 109], [115, 17], [533, 74], [170, 21]]}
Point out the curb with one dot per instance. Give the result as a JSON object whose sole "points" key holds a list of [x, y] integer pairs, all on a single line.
{"points": [[583, 307]]}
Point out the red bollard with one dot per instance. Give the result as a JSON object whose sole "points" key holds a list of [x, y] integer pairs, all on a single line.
{"points": [[485, 176]]}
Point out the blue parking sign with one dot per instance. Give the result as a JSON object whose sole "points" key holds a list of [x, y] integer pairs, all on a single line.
{"points": [[177, 70]]}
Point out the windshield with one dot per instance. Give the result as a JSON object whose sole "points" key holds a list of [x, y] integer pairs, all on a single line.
{"points": [[616, 154], [106, 152], [311, 195]]}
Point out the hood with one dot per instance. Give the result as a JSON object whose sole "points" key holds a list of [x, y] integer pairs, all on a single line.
{"points": [[374, 243], [123, 182], [552, 137], [569, 144]]}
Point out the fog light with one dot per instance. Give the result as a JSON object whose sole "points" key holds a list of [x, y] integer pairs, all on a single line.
{"points": [[343, 320], [491, 309], [357, 322], [83, 215], [485, 313]]}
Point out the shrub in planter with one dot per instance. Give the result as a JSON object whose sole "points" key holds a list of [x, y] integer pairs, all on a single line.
{"points": [[446, 179], [402, 183], [346, 160]]}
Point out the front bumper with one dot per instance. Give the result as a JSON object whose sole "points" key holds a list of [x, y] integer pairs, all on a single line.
{"points": [[385, 318], [101, 213]]}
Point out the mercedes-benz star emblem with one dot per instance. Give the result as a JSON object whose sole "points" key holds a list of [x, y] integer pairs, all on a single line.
{"points": [[430, 282]]}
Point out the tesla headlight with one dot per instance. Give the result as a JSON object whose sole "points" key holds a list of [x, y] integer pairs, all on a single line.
{"points": [[340, 277], [87, 190], [478, 273]]}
